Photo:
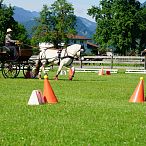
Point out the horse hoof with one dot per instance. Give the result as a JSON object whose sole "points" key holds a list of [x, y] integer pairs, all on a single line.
{"points": [[70, 78], [56, 78], [39, 77]]}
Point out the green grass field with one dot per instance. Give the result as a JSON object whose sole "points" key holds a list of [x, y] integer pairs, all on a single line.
{"points": [[92, 110]]}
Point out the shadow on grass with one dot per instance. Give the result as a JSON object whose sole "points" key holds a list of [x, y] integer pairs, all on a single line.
{"points": [[61, 79], [80, 80]]}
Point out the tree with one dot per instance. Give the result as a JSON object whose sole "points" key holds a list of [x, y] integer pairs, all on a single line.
{"points": [[7, 21], [142, 26], [55, 23], [117, 24], [126, 29], [103, 17], [5, 18]]}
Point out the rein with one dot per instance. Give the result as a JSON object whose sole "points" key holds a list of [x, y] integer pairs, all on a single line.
{"points": [[19, 43]]}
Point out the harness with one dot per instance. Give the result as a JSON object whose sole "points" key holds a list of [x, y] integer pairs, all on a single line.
{"points": [[66, 55], [43, 56]]}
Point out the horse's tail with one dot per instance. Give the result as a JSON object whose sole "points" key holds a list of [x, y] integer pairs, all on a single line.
{"points": [[38, 65]]}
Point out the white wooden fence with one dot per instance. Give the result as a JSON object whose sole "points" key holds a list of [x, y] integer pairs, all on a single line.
{"points": [[110, 62], [125, 62]]}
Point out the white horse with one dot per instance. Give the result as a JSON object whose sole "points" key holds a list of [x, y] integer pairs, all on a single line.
{"points": [[62, 57]]}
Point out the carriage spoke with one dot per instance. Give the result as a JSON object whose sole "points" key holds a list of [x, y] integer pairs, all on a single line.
{"points": [[10, 70]]}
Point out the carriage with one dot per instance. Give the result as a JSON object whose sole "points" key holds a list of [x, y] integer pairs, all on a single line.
{"points": [[11, 65], [31, 68]]}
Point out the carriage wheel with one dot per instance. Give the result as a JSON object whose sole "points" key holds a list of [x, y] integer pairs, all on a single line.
{"points": [[10, 70], [28, 71]]}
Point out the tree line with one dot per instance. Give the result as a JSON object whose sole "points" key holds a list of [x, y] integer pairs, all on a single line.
{"points": [[121, 25], [7, 21]]}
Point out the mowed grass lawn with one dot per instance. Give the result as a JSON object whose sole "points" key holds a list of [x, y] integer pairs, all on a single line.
{"points": [[92, 110]]}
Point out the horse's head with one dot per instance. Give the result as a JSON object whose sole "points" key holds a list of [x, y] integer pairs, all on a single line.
{"points": [[80, 51]]}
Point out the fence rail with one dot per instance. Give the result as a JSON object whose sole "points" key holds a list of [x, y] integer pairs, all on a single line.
{"points": [[134, 62]]}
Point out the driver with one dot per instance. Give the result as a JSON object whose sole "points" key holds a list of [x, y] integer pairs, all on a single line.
{"points": [[10, 43]]}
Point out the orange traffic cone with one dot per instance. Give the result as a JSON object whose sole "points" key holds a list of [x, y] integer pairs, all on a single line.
{"points": [[49, 96], [70, 72], [101, 72], [138, 94]]}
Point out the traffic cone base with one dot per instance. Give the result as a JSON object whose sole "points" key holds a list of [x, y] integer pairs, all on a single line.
{"points": [[138, 94], [36, 98]]}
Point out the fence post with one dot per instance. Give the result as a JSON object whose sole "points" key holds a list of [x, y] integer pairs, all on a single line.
{"points": [[112, 61], [81, 62], [145, 62]]}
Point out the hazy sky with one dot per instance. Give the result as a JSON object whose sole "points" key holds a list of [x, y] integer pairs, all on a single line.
{"points": [[80, 6]]}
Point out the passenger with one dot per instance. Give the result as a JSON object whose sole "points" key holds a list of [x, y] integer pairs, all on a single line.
{"points": [[10, 43]]}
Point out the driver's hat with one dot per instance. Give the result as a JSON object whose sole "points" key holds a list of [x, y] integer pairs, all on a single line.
{"points": [[9, 30]]}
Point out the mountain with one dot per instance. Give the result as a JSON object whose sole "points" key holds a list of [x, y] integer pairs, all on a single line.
{"points": [[21, 15], [84, 27], [143, 4]]}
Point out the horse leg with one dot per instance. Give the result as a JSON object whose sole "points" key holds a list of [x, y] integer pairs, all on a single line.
{"points": [[39, 74], [71, 72], [58, 71], [42, 69], [37, 67]]}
